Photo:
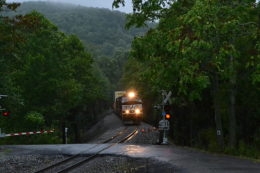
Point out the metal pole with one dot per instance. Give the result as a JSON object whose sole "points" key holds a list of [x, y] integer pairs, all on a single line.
{"points": [[2, 135], [66, 135], [165, 141]]}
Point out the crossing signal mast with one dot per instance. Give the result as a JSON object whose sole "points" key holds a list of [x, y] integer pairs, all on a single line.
{"points": [[4, 112], [164, 124]]}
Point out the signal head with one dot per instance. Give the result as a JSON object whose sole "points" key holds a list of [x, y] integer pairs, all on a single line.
{"points": [[6, 113], [167, 108]]}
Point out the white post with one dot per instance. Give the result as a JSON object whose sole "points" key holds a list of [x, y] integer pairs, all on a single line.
{"points": [[1, 135], [165, 139], [66, 135]]}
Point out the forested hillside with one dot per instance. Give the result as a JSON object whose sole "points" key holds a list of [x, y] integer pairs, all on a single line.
{"points": [[208, 54], [102, 31]]}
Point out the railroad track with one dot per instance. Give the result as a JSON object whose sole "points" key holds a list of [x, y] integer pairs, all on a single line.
{"points": [[78, 160]]}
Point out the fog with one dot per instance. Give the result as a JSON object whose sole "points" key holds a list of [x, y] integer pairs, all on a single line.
{"points": [[89, 3]]}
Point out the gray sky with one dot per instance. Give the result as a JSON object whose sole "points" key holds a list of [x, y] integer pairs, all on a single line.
{"points": [[89, 3]]}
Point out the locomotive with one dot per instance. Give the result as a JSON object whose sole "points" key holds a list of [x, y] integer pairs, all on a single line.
{"points": [[128, 106]]}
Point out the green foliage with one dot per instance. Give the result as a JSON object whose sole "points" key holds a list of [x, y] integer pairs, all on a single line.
{"points": [[112, 67], [47, 76], [143, 11], [244, 150], [101, 30], [35, 119], [208, 140], [206, 53]]}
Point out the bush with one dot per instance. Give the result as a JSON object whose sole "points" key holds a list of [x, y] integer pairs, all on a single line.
{"points": [[248, 150], [208, 140], [34, 120]]}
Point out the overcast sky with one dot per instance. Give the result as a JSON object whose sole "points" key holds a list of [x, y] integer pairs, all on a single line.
{"points": [[89, 3]]}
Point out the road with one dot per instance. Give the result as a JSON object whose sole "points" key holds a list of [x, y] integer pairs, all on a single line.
{"points": [[139, 154]]}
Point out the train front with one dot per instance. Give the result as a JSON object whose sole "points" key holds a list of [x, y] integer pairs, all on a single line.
{"points": [[132, 109]]}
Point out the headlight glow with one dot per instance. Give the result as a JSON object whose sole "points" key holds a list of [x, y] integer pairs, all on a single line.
{"points": [[137, 111], [127, 111], [131, 94]]}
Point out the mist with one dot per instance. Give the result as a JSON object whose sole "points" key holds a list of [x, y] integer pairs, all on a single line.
{"points": [[89, 3]]}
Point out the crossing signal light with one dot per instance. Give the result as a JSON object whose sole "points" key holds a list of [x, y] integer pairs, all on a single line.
{"points": [[6, 114], [167, 110]]}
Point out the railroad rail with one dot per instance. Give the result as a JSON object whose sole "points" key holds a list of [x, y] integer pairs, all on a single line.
{"points": [[78, 160]]}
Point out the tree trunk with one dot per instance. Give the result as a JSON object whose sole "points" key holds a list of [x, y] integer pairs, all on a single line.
{"points": [[218, 120], [232, 114], [191, 123], [191, 131], [76, 132]]}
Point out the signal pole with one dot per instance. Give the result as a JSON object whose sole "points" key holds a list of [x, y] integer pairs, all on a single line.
{"points": [[1, 96], [2, 109], [164, 124]]}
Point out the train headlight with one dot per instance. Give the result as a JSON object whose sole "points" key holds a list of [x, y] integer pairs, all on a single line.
{"points": [[127, 111], [137, 111], [131, 94]]}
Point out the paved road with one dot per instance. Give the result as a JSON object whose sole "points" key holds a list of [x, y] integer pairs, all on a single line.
{"points": [[183, 160]]}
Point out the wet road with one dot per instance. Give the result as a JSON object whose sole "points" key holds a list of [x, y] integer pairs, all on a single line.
{"points": [[183, 160]]}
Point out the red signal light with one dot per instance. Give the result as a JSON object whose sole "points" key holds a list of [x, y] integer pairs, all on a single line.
{"points": [[167, 108], [6, 113]]}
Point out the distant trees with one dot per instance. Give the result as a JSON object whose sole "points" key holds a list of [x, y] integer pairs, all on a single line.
{"points": [[100, 28], [207, 53], [102, 32], [49, 76]]}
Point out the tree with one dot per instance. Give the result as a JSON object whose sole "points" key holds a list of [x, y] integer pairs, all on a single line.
{"points": [[199, 46], [49, 76]]}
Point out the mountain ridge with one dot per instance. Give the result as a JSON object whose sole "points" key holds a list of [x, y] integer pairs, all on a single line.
{"points": [[100, 29]]}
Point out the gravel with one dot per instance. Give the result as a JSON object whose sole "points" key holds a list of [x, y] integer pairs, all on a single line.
{"points": [[109, 126], [145, 135], [27, 163], [119, 164], [102, 164]]}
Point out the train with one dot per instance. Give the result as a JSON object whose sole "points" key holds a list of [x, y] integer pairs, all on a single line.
{"points": [[128, 106]]}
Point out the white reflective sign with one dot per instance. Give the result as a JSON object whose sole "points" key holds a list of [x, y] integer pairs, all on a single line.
{"points": [[164, 125]]}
